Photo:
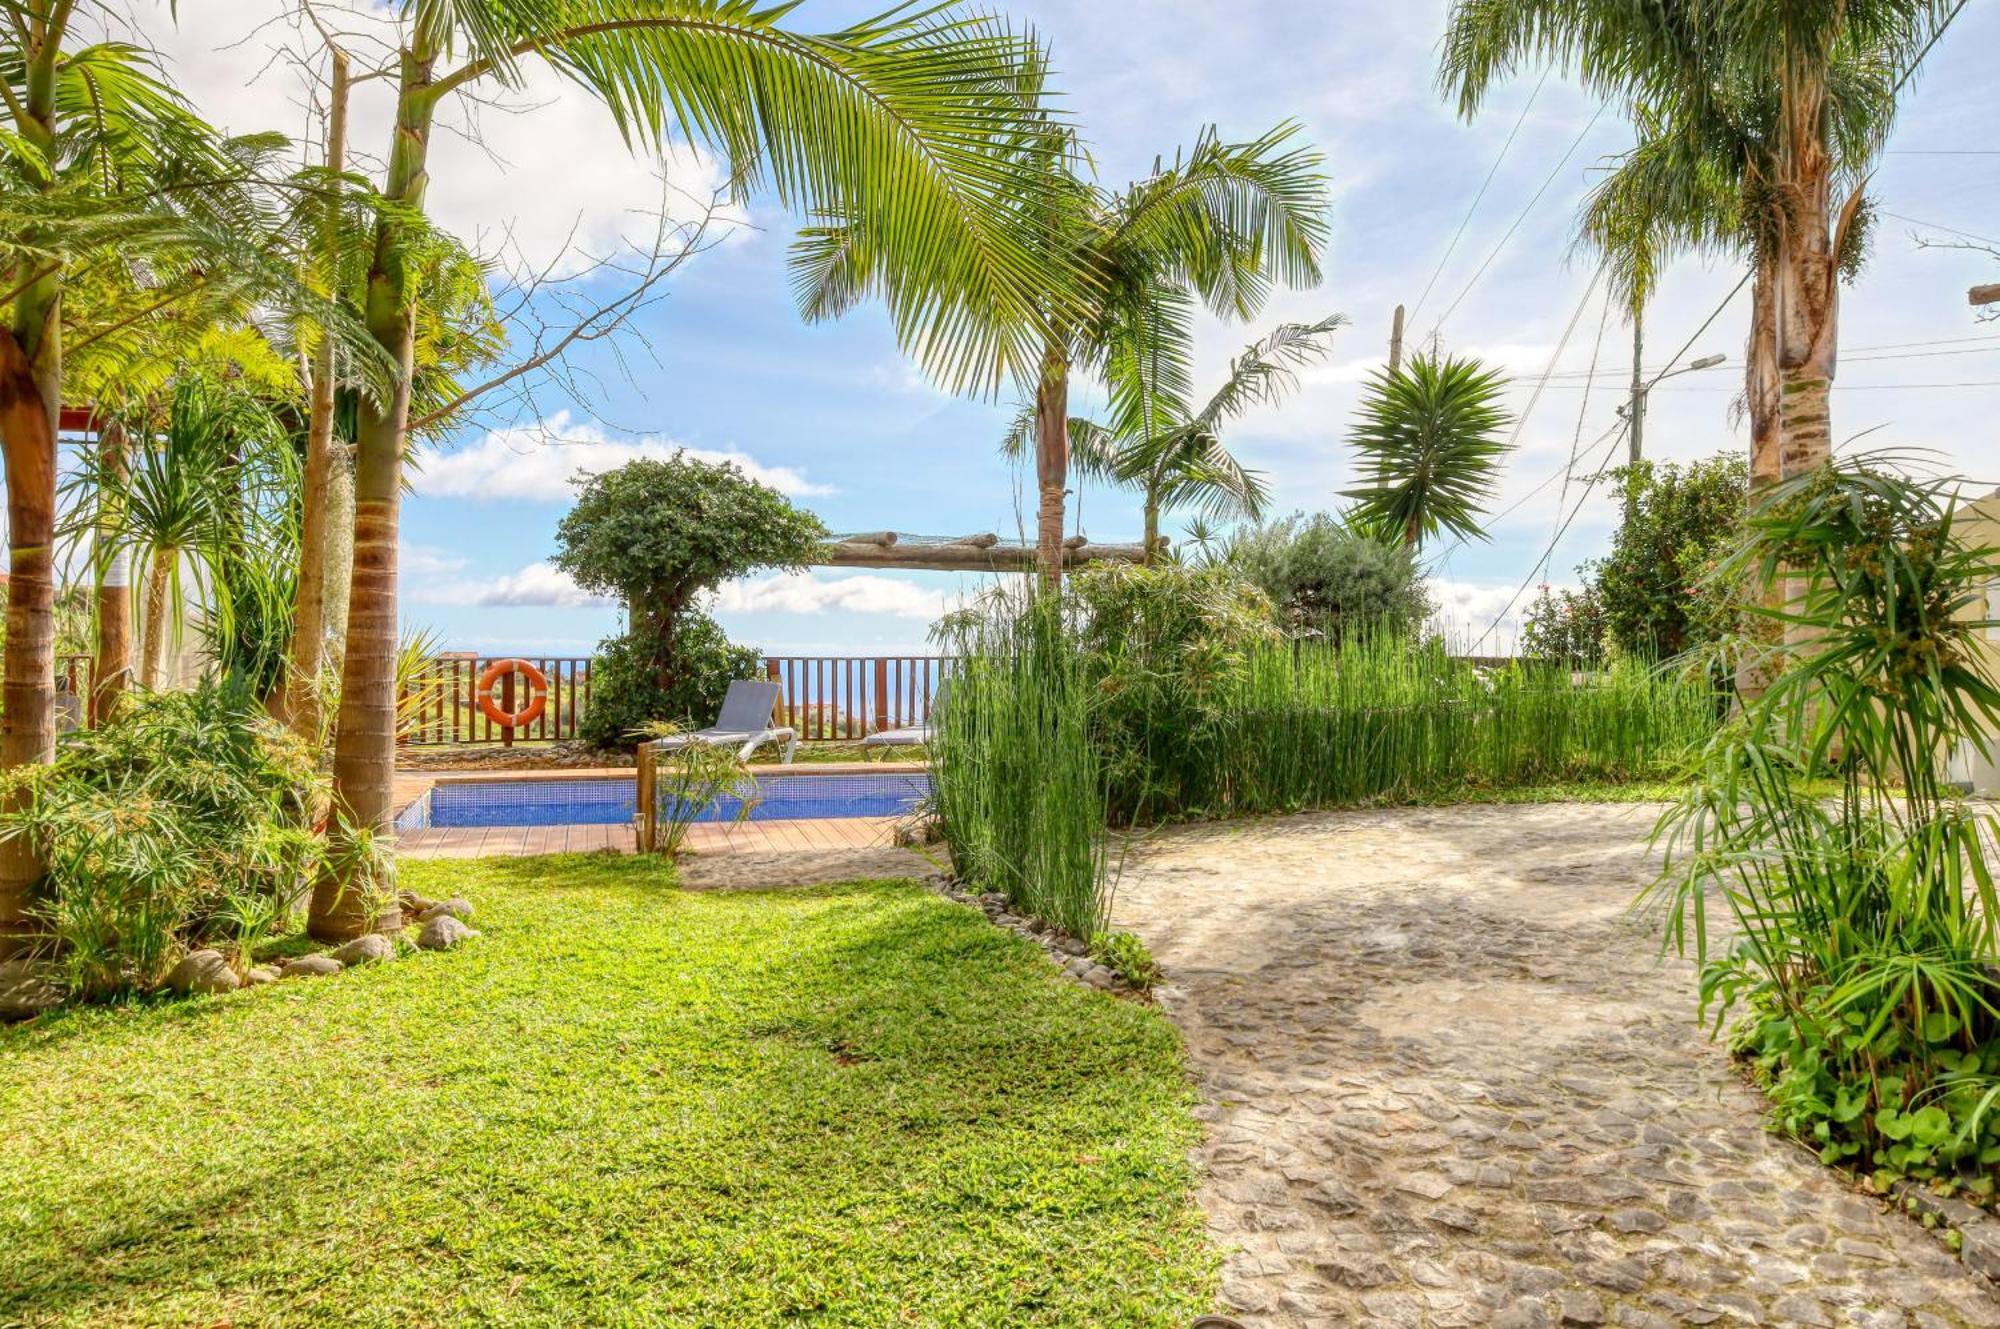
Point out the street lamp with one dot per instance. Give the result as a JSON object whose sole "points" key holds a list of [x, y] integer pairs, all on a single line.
{"points": [[1635, 412]]}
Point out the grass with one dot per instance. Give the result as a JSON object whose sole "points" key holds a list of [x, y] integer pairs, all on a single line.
{"points": [[623, 1104]]}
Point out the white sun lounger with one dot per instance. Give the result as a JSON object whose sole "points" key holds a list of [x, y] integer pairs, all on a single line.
{"points": [[747, 710], [909, 736]]}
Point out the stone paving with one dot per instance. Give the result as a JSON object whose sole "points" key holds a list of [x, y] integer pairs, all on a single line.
{"points": [[1450, 1081]]}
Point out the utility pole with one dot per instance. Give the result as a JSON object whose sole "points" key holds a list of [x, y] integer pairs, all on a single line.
{"points": [[1978, 295], [1636, 412], [1396, 341]]}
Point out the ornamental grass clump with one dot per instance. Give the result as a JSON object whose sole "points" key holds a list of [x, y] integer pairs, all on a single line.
{"points": [[188, 821], [1854, 934], [1017, 781]]}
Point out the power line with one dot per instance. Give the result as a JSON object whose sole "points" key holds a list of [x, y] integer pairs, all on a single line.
{"points": [[1521, 421], [1948, 230], [1838, 386], [1938, 32], [1616, 435], [1484, 185], [1546, 182], [1583, 408], [1849, 358]]}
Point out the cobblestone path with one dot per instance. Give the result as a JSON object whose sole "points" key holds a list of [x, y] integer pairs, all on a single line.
{"points": [[1450, 1081]]}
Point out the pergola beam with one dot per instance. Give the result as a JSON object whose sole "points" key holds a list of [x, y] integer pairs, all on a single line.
{"points": [[972, 553]]}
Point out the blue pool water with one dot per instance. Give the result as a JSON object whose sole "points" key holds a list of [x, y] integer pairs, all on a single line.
{"points": [[613, 802]]}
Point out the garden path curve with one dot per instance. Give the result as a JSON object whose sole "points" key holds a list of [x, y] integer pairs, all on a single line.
{"points": [[1449, 1081]]}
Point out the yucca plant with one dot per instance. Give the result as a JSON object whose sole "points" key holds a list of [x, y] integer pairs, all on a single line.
{"points": [[204, 493], [1858, 932], [1430, 445]]}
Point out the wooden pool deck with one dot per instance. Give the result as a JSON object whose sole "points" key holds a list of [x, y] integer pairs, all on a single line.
{"points": [[803, 836]]}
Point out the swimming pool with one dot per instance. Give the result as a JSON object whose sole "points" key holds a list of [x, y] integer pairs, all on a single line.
{"points": [[613, 801]]}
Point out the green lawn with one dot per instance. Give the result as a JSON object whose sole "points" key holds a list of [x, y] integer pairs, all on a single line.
{"points": [[622, 1105]]}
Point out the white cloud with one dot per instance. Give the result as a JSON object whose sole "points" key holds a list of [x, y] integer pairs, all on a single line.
{"points": [[427, 561], [860, 593], [535, 463], [539, 169], [441, 580]]}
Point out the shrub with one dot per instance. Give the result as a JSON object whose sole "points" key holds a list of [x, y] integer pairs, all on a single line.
{"points": [[688, 784], [626, 694], [188, 820], [1865, 943], [1658, 596], [1125, 955], [1325, 577], [1566, 628], [1159, 648]]}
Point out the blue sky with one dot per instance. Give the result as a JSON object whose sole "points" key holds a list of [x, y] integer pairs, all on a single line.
{"points": [[835, 414]]}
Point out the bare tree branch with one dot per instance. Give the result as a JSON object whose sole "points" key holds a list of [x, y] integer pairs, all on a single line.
{"points": [[565, 281]]}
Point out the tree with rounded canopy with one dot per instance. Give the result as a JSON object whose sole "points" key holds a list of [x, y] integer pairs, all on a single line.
{"points": [[660, 534]]}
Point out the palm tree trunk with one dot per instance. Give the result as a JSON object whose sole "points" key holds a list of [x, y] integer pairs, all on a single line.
{"points": [[1760, 395], [349, 899], [158, 610], [27, 729], [1152, 535], [299, 699], [1808, 290], [1051, 464], [1760, 378], [111, 665], [31, 377]]}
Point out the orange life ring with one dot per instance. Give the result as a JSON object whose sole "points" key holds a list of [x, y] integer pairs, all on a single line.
{"points": [[538, 693]]}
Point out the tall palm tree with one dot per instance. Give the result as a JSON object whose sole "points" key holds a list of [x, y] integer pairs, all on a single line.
{"points": [[1158, 442], [895, 125], [1429, 438], [1826, 71], [1222, 222]]}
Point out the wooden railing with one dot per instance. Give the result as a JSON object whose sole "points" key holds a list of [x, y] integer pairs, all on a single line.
{"points": [[824, 697], [439, 707], [852, 696]]}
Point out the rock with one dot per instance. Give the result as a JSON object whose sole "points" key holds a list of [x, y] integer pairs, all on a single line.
{"points": [[1981, 1248], [258, 975], [365, 949], [311, 966], [457, 907], [1076, 966], [443, 932], [27, 988], [1098, 977], [413, 904], [203, 971], [1581, 1308]]}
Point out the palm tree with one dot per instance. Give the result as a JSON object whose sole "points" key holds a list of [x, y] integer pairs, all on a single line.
{"points": [[1429, 436], [896, 126], [1222, 221], [102, 166], [1158, 443], [1806, 91], [209, 489]]}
